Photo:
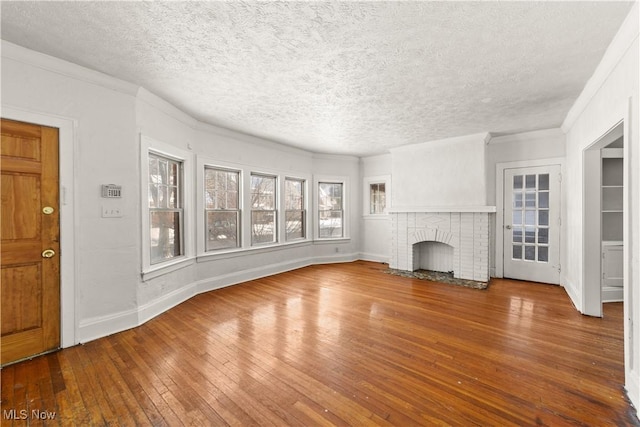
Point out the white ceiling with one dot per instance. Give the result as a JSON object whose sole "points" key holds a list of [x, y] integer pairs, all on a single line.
{"points": [[338, 77]]}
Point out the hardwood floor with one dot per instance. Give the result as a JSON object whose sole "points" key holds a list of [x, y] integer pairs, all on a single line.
{"points": [[341, 345]]}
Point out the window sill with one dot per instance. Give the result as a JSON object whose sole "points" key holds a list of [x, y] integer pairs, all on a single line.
{"points": [[168, 267], [378, 217], [330, 240], [238, 252]]}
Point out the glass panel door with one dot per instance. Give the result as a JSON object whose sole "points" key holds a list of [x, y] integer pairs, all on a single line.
{"points": [[530, 214]]}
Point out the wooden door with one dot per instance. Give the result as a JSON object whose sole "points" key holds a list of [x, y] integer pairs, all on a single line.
{"points": [[532, 224], [30, 234]]}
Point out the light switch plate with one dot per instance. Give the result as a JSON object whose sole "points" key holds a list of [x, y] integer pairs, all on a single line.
{"points": [[111, 212]]}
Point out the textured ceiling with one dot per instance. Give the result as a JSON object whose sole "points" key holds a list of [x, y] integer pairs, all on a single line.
{"points": [[338, 77]]}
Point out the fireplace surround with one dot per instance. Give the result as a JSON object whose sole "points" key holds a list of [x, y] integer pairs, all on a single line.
{"points": [[465, 229]]}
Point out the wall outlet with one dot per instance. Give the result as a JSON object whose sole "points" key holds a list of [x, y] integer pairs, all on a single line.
{"points": [[111, 212]]}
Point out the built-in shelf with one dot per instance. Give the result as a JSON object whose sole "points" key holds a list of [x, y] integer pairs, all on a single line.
{"points": [[612, 196]]}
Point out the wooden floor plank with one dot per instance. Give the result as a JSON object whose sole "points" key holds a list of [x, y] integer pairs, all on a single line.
{"points": [[342, 344]]}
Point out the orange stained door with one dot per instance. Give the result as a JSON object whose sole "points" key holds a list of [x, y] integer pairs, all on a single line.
{"points": [[30, 235]]}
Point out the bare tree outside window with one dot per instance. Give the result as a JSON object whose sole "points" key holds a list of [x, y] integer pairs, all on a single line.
{"points": [[263, 209], [222, 208], [165, 208], [330, 209], [294, 209]]}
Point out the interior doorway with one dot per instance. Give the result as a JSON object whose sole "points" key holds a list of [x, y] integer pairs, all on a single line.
{"points": [[604, 194]]}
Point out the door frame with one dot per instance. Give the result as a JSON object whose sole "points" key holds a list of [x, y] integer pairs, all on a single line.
{"points": [[499, 228], [592, 218], [67, 155]]}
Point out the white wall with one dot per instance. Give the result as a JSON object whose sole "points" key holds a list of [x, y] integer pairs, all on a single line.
{"points": [[110, 116], [107, 250], [375, 229], [448, 172], [611, 95]]}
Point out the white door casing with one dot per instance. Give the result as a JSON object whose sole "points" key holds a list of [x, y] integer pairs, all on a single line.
{"points": [[531, 223]]}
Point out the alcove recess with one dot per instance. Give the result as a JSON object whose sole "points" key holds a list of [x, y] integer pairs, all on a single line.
{"points": [[612, 195]]}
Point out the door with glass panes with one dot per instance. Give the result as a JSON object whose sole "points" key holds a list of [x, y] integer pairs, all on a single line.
{"points": [[532, 224]]}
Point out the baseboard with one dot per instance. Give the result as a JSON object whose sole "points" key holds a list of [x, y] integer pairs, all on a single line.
{"points": [[334, 259], [237, 277], [374, 257], [632, 387], [102, 326], [612, 294], [573, 293], [166, 302]]}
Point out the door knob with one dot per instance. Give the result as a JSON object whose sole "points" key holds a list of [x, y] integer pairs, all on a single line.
{"points": [[48, 253], [47, 210], [508, 227]]}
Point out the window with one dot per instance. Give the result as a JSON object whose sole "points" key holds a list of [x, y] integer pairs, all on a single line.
{"points": [[165, 208], [295, 222], [222, 208], [263, 209], [330, 210], [377, 198]]}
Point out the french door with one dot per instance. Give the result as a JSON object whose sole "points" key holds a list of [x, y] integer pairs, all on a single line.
{"points": [[532, 224]]}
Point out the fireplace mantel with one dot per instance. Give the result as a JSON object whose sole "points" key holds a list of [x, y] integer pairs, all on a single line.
{"points": [[407, 209]]}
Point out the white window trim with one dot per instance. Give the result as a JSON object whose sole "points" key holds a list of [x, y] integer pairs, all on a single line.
{"points": [[366, 195], [278, 204], [346, 207], [245, 211], [305, 207], [147, 145]]}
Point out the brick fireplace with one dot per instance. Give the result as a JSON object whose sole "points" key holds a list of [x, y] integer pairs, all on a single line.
{"points": [[466, 230]]}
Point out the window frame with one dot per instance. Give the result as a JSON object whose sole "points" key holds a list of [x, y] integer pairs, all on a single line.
{"points": [[346, 211], [366, 196], [151, 146], [303, 209], [275, 210], [238, 210]]}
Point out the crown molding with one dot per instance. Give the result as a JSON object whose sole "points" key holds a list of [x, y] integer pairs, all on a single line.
{"points": [[621, 43], [65, 68]]}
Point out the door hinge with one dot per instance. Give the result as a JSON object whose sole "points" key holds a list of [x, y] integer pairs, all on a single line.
{"points": [[560, 177]]}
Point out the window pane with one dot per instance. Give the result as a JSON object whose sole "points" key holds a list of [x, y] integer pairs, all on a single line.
{"points": [[530, 218], [543, 200], [517, 199], [172, 199], [263, 192], [330, 196], [543, 254], [330, 224], [529, 234], [530, 200], [263, 227], [530, 253], [293, 194], [543, 181], [517, 234], [153, 169], [517, 251], [153, 196], [543, 217], [222, 230], [377, 199], [517, 217], [530, 182], [294, 225], [173, 173], [517, 182], [543, 235], [165, 235]]}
